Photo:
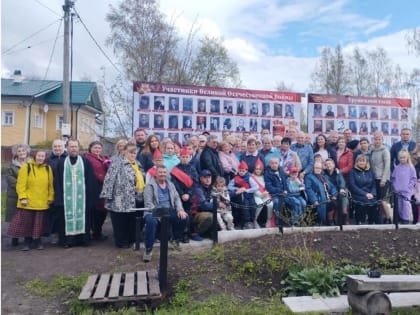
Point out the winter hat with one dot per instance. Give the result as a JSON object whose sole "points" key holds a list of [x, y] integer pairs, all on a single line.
{"points": [[157, 155], [259, 163], [243, 166], [185, 151], [293, 170]]}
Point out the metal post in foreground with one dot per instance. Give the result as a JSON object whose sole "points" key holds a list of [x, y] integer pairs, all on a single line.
{"points": [[340, 210], [138, 232], [215, 227], [163, 261], [396, 216]]}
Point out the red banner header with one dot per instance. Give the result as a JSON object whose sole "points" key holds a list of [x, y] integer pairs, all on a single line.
{"points": [[359, 100], [146, 87]]}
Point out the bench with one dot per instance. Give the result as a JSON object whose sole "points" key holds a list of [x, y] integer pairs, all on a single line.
{"points": [[367, 296]]}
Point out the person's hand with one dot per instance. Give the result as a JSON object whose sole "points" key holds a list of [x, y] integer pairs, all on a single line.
{"points": [[222, 205], [182, 214], [369, 196], [302, 175], [185, 197], [334, 198], [24, 201], [316, 204], [382, 183], [265, 194]]}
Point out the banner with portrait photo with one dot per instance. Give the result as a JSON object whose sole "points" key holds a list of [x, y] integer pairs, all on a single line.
{"points": [[179, 111], [362, 115]]}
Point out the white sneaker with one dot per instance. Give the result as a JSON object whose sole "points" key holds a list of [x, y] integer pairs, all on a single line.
{"points": [[147, 256]]}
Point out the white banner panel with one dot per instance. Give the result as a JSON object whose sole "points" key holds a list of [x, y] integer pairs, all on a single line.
{"points": [[363, 115], [179, 111]]}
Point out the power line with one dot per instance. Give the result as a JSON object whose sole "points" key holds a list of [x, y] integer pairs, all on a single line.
{"points": [[31, 46], [29, 37], [96, 43], [48, 8], [53, 49]]}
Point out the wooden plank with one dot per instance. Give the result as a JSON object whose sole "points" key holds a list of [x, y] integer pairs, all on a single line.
{"points": [[141, 283], [88, 287], [154, 288], [129, 284], [114, 290], [386, 283], [102, 286]]}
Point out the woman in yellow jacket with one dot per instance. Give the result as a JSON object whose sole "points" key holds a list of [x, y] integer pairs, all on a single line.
{"points": [[35, 192]]}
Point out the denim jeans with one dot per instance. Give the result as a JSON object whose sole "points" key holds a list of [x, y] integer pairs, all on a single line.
{"points": [[177, 227]]}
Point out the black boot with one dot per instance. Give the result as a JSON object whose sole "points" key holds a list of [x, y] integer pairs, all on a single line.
{"points": [[14, 242], [27, 244], [38, 244]]}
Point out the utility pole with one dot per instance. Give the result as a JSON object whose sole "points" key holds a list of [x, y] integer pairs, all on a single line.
{"points": [[66, 128]]}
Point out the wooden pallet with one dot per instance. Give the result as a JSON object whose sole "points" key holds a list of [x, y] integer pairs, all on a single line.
{"points": [[121, 286]]}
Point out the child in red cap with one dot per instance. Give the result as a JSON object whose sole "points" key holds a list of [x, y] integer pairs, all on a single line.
{"points": [[157, 160], [243, 187]]}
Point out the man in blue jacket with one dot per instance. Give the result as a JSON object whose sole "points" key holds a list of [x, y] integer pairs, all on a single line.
{"points": [[405, 143]]}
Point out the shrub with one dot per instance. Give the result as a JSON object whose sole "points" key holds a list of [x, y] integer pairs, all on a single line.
{"points": [[319, 280]]}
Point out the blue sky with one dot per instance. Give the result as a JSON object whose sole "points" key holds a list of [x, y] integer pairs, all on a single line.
{"points": [[271, 41]]}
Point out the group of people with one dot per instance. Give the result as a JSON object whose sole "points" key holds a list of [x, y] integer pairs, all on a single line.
{"points": [[254, 180]]}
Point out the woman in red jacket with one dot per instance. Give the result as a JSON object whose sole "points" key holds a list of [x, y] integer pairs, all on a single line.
{"points": [[344, 158], [100, 166]]}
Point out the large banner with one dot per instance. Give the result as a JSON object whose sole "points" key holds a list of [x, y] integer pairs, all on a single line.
{"points": [[363, 115], [179, 111]]}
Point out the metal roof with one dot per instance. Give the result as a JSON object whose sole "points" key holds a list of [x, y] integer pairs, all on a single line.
{"points": [[82, 93]]}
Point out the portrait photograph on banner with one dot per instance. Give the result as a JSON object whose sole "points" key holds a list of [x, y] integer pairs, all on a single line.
{"points": [[362, 115], [180, 111]]}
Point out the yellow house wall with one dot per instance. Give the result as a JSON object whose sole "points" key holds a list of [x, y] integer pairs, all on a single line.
{"points": [[16, 134], [11, 135], [86, 128]]}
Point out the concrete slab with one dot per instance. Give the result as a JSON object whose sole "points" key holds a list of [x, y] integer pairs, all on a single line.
{"points": [[227, 236], [301, 304]]}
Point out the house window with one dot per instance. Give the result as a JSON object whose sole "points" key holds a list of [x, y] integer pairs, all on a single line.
{"points": [[38, 120], [59, 122], [8, 118]]}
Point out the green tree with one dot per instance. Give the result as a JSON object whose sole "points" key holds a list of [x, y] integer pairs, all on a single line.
{"points": [[359, 75], [212, 65], [150, 49], [413, 40], [142, 39], [380, 69]]}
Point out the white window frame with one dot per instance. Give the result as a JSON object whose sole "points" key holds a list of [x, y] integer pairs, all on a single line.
{"points": [[5, 115], [59, 120], [38, 121]]}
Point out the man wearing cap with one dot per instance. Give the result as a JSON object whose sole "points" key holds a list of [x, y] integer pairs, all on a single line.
{"points": [[209, 158], [160, 192], [202, 206]]}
